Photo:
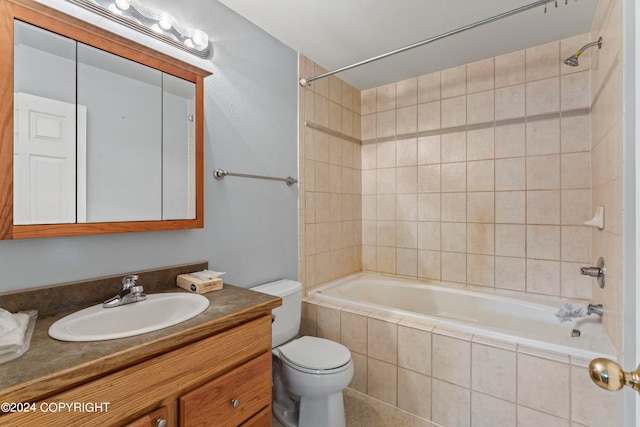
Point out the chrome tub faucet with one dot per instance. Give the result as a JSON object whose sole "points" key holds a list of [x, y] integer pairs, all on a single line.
{"points": [[129, 293]]}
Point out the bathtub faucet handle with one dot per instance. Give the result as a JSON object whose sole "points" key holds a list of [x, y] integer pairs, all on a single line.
{"points": [[598, 272]]}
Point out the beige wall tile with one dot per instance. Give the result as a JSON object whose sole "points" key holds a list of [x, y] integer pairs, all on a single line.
{"points": [[510, 140], [385, 123], [510, 240], [414, 393], [429, 207], [543, 172], [542, 61], [382, 340], [543, 385], [429, 178], [407, 234], [575, 170], [543, 96], [407, 207], [414, 349], [407, 152], [480, 270], [429, 116], [429, 265], [447, 368], [407, 180], [386, 154], [487, 411], [386, 260], [530, 418], [591, 405], [510, 69], [573, 284], [407, 93], [543, 277], [493, 371], [429, 150], [510, 207], [453, 267], [429, 88], [451, 404], [480, 107], [480, 206], [511, 273], [382, 380], [480, 239], [480, 175], [386, 97], [510, 174], [480, 75], [543, 242], [359, 381], [543, 207], [453, 82], [454, 236], [480, 144], [576, 244], [454, 177], [575, 134], [573, 90], [429, 235], [353, 332], [407, 120], [543, 137], [368, 101], [386, 233], [328, 323], [407, 262], [454, 112], [510, 102], [454, 207], [308, 322]]}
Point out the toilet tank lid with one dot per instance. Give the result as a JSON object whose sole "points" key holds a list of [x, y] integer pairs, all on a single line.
{"points": [[279, 288]]}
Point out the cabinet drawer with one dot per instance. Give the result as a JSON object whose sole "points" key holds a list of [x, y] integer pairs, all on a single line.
{"points": [[230, 399], [152, 418]]}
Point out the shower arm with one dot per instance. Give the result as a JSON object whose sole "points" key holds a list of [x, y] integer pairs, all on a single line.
{"points": [[588, 45], [308, 80]]}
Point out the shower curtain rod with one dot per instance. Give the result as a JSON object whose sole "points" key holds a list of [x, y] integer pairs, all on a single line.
{"points": [[307, 81]]}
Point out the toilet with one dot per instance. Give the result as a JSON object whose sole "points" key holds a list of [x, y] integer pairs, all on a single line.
{"points": [[309, 373]]}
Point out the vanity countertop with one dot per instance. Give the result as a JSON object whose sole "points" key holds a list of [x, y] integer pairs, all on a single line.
{"points": [[50, 366]]}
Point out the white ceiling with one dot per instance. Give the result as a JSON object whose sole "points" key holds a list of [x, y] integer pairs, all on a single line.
{"points": [[335, 33]]}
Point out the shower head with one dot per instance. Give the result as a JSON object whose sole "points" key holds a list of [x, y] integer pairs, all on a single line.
{"points": [[573, 59]]}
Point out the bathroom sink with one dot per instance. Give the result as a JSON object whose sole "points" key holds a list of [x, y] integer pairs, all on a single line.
{"points": [[158, 311]]}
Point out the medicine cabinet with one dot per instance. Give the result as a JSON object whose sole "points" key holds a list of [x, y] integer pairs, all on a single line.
{"points": [[99, 134]]}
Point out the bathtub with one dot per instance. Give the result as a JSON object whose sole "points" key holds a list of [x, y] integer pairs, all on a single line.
{"points": [[529, 321]]}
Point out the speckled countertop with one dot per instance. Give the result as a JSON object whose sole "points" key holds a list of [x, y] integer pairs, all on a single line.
{"points": [[50, 366]]}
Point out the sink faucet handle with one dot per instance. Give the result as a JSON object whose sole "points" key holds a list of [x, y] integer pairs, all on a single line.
{"points": [[129, 282]]}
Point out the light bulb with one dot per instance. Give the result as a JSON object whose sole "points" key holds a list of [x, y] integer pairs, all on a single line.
{"points": [[165, 21], [122, 4]]}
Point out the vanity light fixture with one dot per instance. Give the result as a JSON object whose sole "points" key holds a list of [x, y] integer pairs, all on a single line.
{"points": [[152, 22]]}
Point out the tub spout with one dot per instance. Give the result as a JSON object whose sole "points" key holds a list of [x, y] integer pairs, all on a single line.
{"points": [[595, 309]]}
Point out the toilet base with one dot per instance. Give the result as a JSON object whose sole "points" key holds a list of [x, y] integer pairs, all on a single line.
{"points": [[324, 411]]}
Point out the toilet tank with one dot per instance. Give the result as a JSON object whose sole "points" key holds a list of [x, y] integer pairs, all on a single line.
{"points": [[287, 317]]}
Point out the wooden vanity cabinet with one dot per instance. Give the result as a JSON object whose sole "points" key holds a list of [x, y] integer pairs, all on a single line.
{"points": [[222, 380]]}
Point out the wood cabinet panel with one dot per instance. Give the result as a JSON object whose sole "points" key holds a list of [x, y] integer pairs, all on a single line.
{"points": [[135, 390], [230, 399], [152, 419]]}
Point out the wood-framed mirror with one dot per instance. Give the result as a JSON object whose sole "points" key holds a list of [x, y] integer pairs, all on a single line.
{"points": [[99, 134]]}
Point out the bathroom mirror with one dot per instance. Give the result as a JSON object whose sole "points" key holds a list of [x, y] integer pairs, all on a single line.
{"points": [[107, 134]]}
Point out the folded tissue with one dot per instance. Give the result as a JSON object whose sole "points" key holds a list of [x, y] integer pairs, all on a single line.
{"points": [[200, 282], [15, 333], [570, 311]]}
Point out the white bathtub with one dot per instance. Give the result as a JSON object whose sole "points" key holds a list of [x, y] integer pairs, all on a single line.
{"points": [[520, 320]]}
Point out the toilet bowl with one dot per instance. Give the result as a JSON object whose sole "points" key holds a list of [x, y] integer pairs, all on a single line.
{"points": [[309, 373]]}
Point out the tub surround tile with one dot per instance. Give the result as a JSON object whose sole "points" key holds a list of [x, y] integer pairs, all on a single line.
{"points": [[591, 405], [493, 371], [328, 323], [414, 348], [382, 340], [543, 384], [359, 381], [527, 417], [457, 369], [487, 411], [382, 380], [451, 404], [414, 393], [353, 331]]}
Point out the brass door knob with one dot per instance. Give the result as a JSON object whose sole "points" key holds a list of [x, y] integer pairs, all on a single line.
{"points": [[608, 375]]}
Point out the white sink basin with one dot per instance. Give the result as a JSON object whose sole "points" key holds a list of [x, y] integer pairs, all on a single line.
{"points": [[158, 311]]}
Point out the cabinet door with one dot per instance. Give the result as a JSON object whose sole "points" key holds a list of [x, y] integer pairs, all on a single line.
{"points": [[230, 399], [153, 419]]}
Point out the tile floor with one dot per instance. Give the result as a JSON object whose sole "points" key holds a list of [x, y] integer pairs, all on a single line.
{"points": [[364, 411]]}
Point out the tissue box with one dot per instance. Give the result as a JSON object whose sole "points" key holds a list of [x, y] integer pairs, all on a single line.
{"points": [[196, 285]]}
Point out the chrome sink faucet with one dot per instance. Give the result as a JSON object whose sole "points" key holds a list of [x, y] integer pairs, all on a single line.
{"points": [[129, 293]]}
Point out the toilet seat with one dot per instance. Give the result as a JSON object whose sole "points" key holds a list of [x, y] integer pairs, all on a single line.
{"points": [[315, 355]]}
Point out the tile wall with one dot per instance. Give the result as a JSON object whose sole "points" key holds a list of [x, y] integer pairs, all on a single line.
{"points": [[330, 178], [608, 164], [488, 383], [480, 175]]}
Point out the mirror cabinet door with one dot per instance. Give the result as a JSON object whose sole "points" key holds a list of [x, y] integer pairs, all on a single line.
{"points": [[123, 104], [44, 153], [98, 138]]}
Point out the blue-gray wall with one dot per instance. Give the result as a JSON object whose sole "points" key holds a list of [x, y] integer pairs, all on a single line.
{"points": [[250, 126]]}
